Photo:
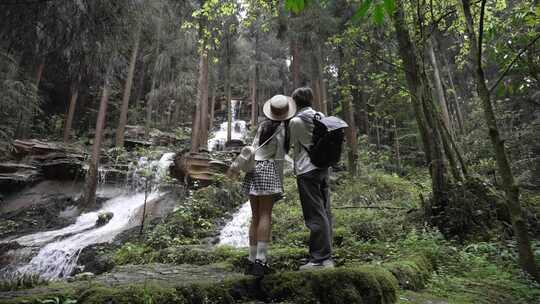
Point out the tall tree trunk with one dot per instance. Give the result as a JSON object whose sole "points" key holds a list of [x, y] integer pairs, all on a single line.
{"points": [[151, 98], [203, 142], [439, 89], [212, 108], [228, 93], [457, 106], [254, 107], [295, 64], [396, 147], [511, 189], [197, 132], [39, 72], [347, 99], [352, 152], [71, 110], [256, 87], [420, 98], [89, 196], [127, 89]]}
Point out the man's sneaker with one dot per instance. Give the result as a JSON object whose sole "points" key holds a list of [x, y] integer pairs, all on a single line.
{"points": [[328, 263], [260, 268]]}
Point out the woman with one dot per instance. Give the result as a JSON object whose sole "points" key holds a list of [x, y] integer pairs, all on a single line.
{"points": [[264, 183]]}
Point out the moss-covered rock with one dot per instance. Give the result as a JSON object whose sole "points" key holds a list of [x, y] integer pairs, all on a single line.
{"points": [[412, 273], [361, 284]]}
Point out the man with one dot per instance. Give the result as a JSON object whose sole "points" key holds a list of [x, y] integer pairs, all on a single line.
{"points": [[312, 183]]}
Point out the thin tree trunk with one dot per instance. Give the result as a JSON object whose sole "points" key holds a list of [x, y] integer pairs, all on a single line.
{"points": [[39, 72], [420, 98], [146, 190], [212, 108], [89, 196], [256, 86], [511, 189], [396, 144], [295, 64], [351, 135], [457, 105], [228, 92], [151, 98], [127, 89], [438, 86], [71, 110], [253, 103], [346, 95]]}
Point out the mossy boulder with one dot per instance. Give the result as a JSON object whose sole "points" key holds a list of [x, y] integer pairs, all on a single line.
{"points": [[361, 284], [104, 218], [412, 273]]}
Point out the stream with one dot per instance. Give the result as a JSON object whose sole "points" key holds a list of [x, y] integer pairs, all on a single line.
{"points": [[59, 249]]}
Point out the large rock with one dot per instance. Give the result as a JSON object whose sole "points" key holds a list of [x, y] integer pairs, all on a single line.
{"points": [[97, 258]]}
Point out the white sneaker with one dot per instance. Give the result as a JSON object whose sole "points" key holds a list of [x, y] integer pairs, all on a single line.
{"points": [[328, 263]]}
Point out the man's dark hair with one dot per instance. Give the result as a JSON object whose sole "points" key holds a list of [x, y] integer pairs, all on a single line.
{"points": [[303, 97]]}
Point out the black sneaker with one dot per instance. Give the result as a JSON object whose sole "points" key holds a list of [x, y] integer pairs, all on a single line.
{"points": [[260, 268], [248, 267]]}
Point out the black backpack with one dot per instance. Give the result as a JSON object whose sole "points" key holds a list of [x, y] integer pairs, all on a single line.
{"points": [[328, 136]]}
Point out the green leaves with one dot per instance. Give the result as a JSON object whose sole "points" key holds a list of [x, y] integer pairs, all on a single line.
{"points": [[378, 14], [362, 11], [295, 6], [390, 7], [379, 7]]}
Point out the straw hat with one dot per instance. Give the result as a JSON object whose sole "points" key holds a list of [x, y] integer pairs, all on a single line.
{"points": [[279, 107]]}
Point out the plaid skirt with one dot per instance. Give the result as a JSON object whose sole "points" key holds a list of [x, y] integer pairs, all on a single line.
{"points": [[263, 180]]}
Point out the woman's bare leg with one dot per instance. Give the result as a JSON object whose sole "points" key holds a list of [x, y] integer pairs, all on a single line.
{"points": [[265, 218], [254, 202]]}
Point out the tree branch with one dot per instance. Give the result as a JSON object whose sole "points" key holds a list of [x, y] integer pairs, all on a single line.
{"points": [[511, 64]]}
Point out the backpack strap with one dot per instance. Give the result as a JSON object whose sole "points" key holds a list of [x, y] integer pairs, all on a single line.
{"points": [[269, 139]]}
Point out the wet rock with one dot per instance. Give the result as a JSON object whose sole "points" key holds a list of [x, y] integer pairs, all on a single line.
{"points": [[36, 217], [16, 181], [104, 218], [63, 169], [97, 258]]}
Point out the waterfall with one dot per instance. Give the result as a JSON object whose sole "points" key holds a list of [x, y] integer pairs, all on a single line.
{"points": [[236, 232], [238, 129], [60, 249]]}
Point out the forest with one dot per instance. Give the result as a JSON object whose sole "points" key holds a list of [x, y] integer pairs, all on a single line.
{"points": [[119, 121]]}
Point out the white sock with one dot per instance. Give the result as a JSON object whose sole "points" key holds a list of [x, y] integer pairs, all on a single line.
{"points": [[252, 253], [262, 251]]}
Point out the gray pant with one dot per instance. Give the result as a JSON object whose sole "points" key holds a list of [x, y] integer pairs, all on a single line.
{"points": [[315, 198]]}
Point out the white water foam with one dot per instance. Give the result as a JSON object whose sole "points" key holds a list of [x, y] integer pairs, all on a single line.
{"points": [[236, 232], [238, 129], [60, 248]]}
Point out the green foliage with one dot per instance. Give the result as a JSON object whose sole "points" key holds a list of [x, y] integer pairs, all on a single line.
{"points": [[132, 253], [22, 281]]}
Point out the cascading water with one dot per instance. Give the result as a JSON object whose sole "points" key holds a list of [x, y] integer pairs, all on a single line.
{"points": [[238, 129], [60, 249], [235, 232]]}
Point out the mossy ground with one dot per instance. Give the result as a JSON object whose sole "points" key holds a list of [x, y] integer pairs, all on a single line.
{"points": [[382, 244]]}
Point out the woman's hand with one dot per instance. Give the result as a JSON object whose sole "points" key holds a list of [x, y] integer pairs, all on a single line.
{"points": [[232, 173]]}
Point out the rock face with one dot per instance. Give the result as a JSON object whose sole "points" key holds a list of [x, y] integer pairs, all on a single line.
{"points": [[92, 258], [36, 217], [14, 176], [39, 160]]}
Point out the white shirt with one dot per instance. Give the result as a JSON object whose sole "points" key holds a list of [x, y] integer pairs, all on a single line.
{"points": [[272, 150], [301, 138]]}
